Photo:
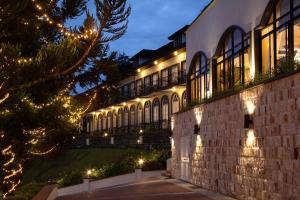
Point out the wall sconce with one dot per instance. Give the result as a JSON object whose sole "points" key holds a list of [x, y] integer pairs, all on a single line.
{"points": [[196, 129], [248, 121]]}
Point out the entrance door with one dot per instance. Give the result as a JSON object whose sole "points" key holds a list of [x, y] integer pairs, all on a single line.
{"points": [[185, 160]]}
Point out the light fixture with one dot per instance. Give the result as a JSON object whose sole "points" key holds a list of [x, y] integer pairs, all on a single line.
{"points": [[138, 99], [196, 129], [89, 172], [248, 121], [124, 104], [141, 162], [139, 70], [105, 134], [175, 53], [174, 89], [141, 131], [138, 141], [155, 62]]}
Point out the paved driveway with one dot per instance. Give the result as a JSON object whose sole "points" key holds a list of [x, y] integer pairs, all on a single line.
{"points": [[152, 189]]}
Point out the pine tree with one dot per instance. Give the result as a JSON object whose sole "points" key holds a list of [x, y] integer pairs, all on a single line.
{"points": [[41, 62]]}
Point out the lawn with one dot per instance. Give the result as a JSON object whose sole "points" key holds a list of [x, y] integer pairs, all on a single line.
{"points": [[43, 170]]}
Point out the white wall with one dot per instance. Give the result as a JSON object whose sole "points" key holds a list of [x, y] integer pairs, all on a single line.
{"points": [[204, 34]]}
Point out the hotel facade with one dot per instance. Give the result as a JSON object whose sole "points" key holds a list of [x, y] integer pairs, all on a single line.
{"points": [[241, 132], [228, 87], [155, 90]]}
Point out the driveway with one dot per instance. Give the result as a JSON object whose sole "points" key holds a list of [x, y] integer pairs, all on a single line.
{"points": [[151, 189]]}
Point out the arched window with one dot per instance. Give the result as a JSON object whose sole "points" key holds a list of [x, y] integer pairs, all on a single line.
{"points": [[147, 112], [165, 108], [126, 116], [199, 77], [120, 114], [104, 122], [139, 114], [175, 103], [156, 107], [184, 99], [109, 120], [99, 122], [280, 36], [132, 115], [232, 59], [114, 119]]}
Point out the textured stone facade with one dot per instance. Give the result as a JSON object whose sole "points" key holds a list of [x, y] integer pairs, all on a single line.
{"points": [[259, 163]]}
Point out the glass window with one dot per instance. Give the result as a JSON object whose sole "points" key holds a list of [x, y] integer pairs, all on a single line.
{"points": [[175, 104], [104, 123], [165, 108], [126, 117], [233, 59], [147, 112], [155, 79], [280, 47], [139, 87], [199, 78], [156, 110], [99, 123], [120, 118], [140, 114], [165, 77], [174, 74], [114, 120], [109, 118], [132, 116]]}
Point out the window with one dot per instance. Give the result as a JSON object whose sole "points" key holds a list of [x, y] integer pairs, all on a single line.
{"points": [[126, 116], [139, 87], [109, 119], [183, 69], [155, 79], [147, 112], [280, 37], [199, 78], [132, 116], [156, 108], [165, 77], [139, 114], [132, 89], [120, 118], [165, 108], [233, 68], [174, 74], [99, 122], [125, 91], [104, 122], [147, 81], [114, 120], [175, 103]]}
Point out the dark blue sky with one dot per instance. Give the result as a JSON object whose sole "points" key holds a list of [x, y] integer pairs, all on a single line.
{"points": [[152, 21]]}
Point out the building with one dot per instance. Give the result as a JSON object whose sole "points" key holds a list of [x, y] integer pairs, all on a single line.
{"points": [[241, 132], [147, 98]]}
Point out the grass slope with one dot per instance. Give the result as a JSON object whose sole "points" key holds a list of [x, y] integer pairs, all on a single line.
{"points": [[43, 170]]}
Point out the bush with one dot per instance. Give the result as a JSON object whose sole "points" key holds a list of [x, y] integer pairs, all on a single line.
{"points": [[28, 191], [71, 178]]}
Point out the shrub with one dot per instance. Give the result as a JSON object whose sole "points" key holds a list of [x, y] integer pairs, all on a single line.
{"points": [[28, 191], [71, 178]]}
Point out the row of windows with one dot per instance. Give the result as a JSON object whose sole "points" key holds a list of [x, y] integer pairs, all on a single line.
{"points": [[168, 76], [155, 112], [279, 46]]}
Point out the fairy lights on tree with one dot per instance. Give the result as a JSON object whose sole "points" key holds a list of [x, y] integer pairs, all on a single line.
{"points": [[41, 63]]}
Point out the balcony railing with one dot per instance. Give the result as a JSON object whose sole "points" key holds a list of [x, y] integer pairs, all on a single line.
{"points": [[163, 83]]}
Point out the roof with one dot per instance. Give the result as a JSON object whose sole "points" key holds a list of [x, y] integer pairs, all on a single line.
{"points": [[179, 32], [145, 53]]}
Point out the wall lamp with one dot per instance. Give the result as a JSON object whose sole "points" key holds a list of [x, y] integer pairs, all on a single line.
{"points": [[248, 121], [196, 129]]}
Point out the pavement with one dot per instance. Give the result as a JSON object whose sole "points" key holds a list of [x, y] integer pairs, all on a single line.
{"points": [[150, 189]]}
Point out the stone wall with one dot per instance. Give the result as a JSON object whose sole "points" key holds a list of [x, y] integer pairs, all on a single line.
{"points": [[259, 163]]}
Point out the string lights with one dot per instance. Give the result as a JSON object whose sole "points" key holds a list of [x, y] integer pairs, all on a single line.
{"points": [[45, 17]]}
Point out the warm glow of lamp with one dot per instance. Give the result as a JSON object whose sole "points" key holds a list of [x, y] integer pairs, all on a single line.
{"points": [[174, 89], [105, 134], [141, 131], [89, 172], [139, 70], [172, 123], [138, 141], [155, 62], [138, 100], [198, 141], [250, 138], [198, 116], [175, 53], [124, 104], [250, 107], [141, 162]]}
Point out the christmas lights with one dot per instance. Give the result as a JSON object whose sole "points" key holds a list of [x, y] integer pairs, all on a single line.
{"points": [[45, 17]]}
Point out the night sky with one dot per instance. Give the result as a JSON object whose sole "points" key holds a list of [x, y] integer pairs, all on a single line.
{"points": [[152, 21]]}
